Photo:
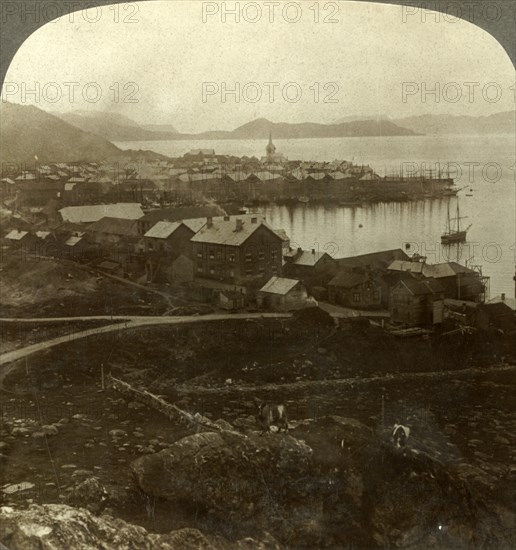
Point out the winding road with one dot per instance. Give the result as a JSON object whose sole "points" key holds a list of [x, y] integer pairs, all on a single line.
{"points": [[124, 323]]}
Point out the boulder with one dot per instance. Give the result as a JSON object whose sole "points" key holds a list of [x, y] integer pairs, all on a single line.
{"points": [[89, 494], [225, 472], [52, 526]]}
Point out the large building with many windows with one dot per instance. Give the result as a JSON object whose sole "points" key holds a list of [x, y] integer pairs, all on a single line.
{"points": [[237, 249]]}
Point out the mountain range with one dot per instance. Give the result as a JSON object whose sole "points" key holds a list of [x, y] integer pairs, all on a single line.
{"points": [[120, 128], [498, 123], [27, 131], [116, 127], [29, 134]]}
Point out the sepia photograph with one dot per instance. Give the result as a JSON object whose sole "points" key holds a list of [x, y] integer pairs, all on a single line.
{"points": [[257, 275]]}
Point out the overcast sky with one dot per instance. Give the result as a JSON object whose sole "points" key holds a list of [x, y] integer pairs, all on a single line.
{"points": [[168, 52]]}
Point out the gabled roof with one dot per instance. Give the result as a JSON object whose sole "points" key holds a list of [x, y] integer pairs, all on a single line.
{"points": [[375, 260], [348, 279], [93, 213], [224, 231], [406, 265], [175, 214], [195, 224], [437, 271], [305, 257], [74, 240], [497, 308], [420, 287], [162, 230], [114, 226], [511, 302], [42, 234], [279, 285], [16, 235], [282, 234], [316, 176]]}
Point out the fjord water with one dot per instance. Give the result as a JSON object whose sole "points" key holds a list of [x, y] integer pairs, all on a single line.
{"points": [[482, 165]]}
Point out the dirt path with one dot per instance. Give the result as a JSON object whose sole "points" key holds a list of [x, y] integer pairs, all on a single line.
{"points": [[340, 382], [130, 322]]}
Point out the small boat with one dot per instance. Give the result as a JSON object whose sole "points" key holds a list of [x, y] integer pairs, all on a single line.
{"points": [[454, 234], [304, 200]]}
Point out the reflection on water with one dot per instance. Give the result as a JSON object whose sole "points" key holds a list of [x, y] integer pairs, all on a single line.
{"points": [[416, 227]]}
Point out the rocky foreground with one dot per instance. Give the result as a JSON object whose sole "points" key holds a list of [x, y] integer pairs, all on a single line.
{"points": [[330, 482], [56, 526]]}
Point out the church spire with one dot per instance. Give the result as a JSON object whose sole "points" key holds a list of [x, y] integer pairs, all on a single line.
{"points": [[271, 148]]}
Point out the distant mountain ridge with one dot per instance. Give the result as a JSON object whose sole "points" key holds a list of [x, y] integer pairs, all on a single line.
{"points": [[498, 123], [26, 132], [30, 135], [116, 127]]}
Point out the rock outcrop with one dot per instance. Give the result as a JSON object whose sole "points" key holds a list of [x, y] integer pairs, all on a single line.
{"points": [[330, 482], [56, 526]]}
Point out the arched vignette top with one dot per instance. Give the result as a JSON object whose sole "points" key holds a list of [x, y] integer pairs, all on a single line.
{"points": [[501, 25]]}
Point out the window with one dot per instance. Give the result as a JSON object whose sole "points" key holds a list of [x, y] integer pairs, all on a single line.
{"points": [[231, 258], [261, 255], [248, 272], [212, 271], [274, 269], [376, 295], [356, 297], [274, 255], [248, 257], [199, 254], [199, 269], [231, 273]]}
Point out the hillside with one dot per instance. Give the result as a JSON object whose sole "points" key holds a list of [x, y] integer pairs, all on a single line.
{"points": [[498, 123], [259, 129], [116, 127], [26, 131], [120, 128]]}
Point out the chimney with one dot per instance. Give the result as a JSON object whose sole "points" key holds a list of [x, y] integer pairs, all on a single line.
{"points": [[226, 218], [209, 221], [503, 296], [254, 220], [239, 224]]}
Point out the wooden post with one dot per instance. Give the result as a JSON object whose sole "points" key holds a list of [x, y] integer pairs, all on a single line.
{"points": [[383, 410], [102, 376]]}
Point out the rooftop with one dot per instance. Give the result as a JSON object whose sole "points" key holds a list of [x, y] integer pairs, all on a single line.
{"points": [[225, 230], [420, 287], [305, 257], [16, 235], [375, 260], [437, 271], [348, 279], [114, 226], [279, 285], [93, 213], [511, 302]]}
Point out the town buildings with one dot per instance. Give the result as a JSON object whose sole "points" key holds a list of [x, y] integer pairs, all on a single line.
{"points": [[234, 249]]}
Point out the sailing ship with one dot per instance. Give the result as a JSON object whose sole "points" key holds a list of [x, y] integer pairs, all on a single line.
{"points": [[454, 233]]}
